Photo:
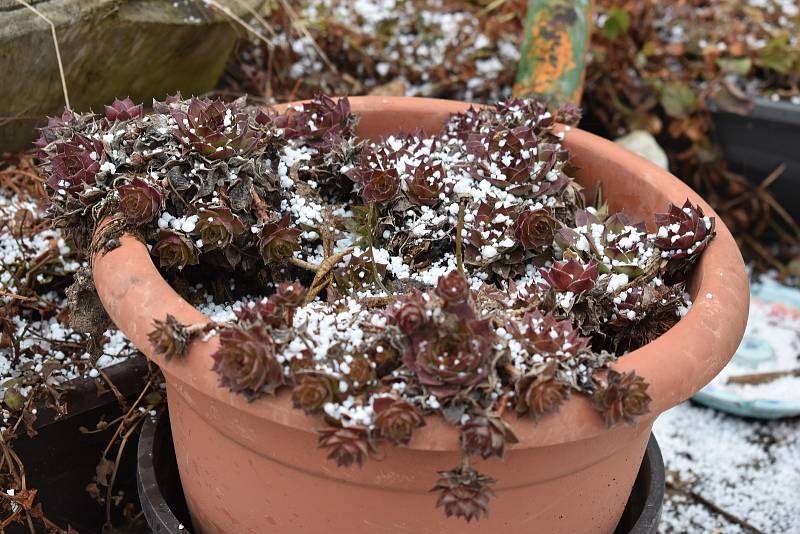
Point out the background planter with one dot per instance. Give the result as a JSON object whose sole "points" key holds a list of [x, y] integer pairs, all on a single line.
{"points": [[756, 143], [141, 48], [60, 460], [246, 467]]}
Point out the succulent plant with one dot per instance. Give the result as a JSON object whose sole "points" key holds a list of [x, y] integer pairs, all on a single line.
{"points": [[571, 275], [346, 446], [380, 185], [640, 314], [569, 114], [425, 188], [214, 129], [524, 112], [473, 280], [489, 238], [360, 373], [507, 158], [169, 337], [123, 110], [464, 493], [486, 436], [57, 129], [246, 361], [265, 311], [409, 313], [544, 335], [320, 118], [453, 288], [359, 272], [312, 391], [174, 250], [385, 357], [540, 393], [683, 231], [396, 420], [74, 165], [278, 240], [624, 396], [139, 201], [535, 230], [290, 294], [218, 227], [451, 361], [626, 245]]}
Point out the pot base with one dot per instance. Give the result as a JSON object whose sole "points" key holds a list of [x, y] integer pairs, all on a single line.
{"points": [[165, 509]]}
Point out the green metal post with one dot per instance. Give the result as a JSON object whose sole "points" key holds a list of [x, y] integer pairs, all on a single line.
{"points": [[553, 55]]}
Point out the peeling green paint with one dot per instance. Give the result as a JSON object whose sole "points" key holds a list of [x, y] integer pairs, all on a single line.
{"points": [[553, 55]]}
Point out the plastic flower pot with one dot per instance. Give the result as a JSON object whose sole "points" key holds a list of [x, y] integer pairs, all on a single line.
{"points": [[255, 467], [757, 142], [164, 506], [60, 459]]}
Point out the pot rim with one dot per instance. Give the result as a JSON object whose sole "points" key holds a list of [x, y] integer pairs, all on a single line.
{"points": [[676, 365]]}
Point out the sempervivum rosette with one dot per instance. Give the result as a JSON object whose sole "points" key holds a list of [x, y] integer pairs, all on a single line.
{"points": [[214, 129], [346, 446], [452, 361], [316, 120], [486, 436], [571, 275], [175, 250], [246, 361], [139, 201], [541, 392], [683, 232], [426, 185], [535, 229], [623, 396], [278, 240], [396, 420], [217, 226], [75, 164], [507, 158], [464, 493], [546, 336], [123, 110], [312, 391]]}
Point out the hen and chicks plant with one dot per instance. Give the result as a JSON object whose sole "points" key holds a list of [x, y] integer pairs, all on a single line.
{"points": [[457, 273]]}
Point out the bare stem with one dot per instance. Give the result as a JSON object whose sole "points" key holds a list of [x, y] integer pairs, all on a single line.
{"points": [[58, 51], [459, 238], [762, 378], [370, 229]]}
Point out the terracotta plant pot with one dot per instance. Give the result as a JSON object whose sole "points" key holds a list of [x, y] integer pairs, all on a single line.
{"points": [[254, 467]]}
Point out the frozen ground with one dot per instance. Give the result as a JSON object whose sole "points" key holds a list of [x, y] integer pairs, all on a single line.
{"points": [[729, 475]]}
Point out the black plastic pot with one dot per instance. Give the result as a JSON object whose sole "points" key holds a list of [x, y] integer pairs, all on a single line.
{"points": [[755, 144], [60, 460], [643, 510], [165, 509], [159, 483]]}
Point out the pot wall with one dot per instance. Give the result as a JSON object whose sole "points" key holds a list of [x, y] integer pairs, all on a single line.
{"points": [[254, 467], [277, 480]]}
